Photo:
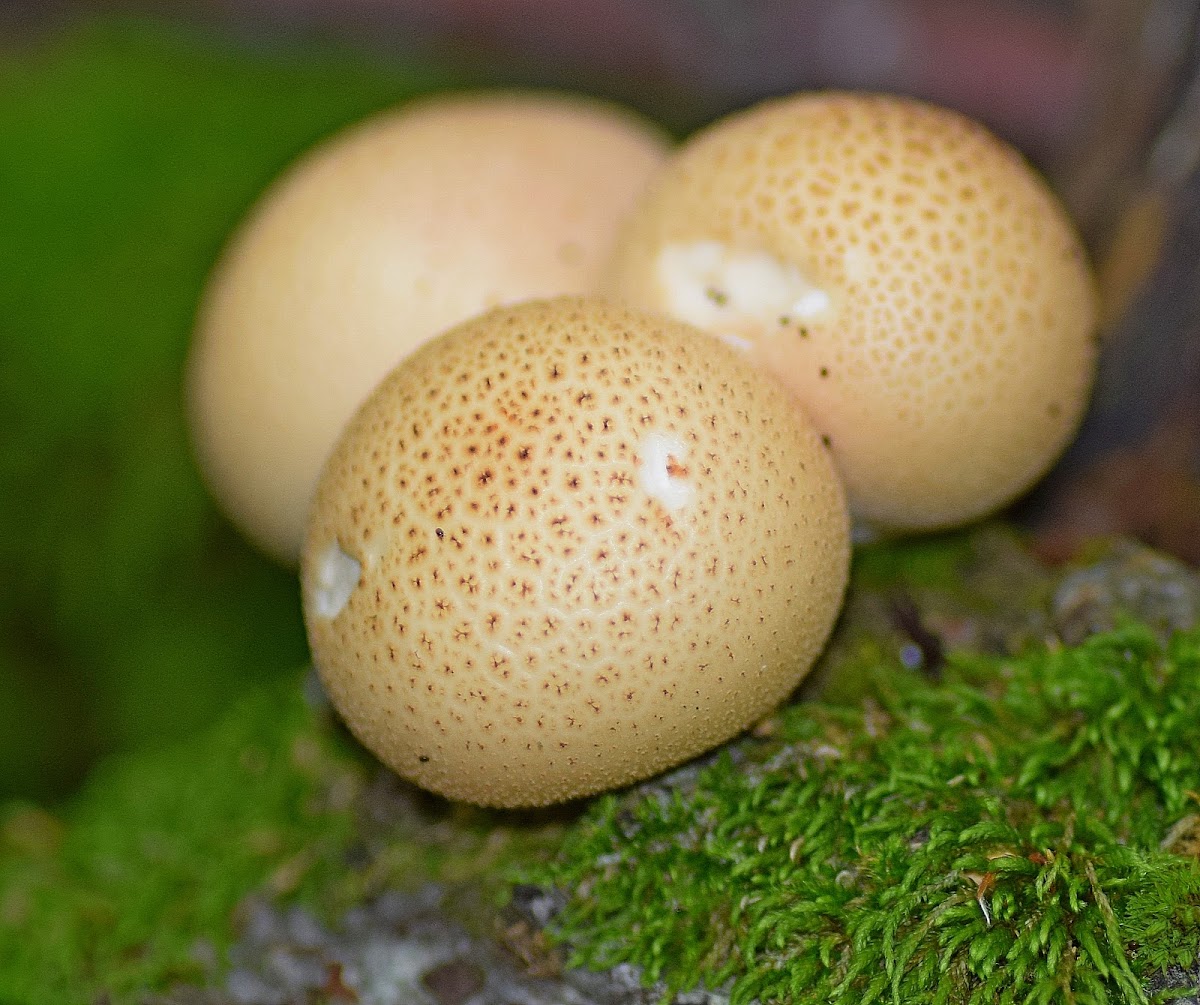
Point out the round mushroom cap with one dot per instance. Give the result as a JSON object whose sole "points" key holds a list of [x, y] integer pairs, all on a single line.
{"points": [[567, 545], [908, 275], [376, 240]]}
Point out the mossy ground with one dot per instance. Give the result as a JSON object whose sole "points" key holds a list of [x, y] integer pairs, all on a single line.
{"points": [[1011, 833], [155, 851], [134, 888]]}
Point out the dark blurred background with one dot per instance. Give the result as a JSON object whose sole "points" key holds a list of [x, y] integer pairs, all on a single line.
{"points": [[132, 137]]}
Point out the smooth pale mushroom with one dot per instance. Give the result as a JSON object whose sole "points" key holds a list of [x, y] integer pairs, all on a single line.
{"points": [[565, 546], [908, 276], [376, 240]]}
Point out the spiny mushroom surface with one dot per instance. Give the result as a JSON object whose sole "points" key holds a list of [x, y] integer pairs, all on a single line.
{"points": [[376, 240], [565, 546], [904, 272]]}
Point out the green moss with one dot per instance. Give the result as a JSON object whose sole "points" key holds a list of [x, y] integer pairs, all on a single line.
{"points": [[157, 850], [138, 881], [995, 838]]}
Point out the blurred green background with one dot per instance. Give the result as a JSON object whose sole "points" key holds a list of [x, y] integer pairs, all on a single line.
{"points": [[130, 612]]}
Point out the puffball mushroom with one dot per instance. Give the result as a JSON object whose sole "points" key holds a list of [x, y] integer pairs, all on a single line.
{"points": [[907, 274], [565, 546], [378, 239]]}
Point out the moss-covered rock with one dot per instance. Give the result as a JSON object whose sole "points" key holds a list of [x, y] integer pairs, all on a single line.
{"points": [[151, 857], [1001, 835], [147, 879]]}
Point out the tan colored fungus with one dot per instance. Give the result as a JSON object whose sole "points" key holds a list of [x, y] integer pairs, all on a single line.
{"points": [[904, 272], [379, 238], [567, 545]]}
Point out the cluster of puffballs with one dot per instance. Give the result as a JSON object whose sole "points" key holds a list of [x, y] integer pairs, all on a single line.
{"points": [[570, 432]]}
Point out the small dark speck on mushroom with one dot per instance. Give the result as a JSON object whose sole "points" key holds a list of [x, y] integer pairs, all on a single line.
{"points": [[718, 297], [440, 533]]}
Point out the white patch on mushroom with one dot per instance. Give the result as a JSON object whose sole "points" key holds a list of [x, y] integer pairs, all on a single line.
{"points": [[659, 474], [711, 286], [338, 574], [810, 304], [742, 344]]}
